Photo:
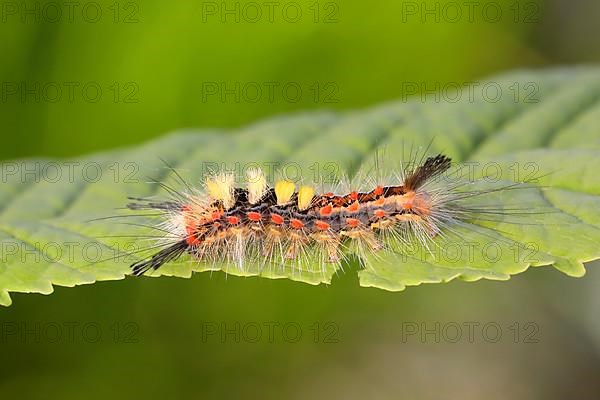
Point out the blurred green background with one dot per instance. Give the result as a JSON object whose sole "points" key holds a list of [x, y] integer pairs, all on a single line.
{"points": [[106, 74]]}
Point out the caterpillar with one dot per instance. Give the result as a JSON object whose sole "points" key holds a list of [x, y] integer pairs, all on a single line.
{"points": [[284, 224]]}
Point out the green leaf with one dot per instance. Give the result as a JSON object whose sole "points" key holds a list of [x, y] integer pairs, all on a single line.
{"points": [[543, 122]]}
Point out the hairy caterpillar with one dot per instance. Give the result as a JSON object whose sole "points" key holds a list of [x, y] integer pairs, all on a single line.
{"points": [[283, 224]]}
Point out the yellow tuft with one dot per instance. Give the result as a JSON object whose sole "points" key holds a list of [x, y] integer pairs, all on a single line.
{"points": [[305, 196], [257, 185], [220, 187], [284, 191]]}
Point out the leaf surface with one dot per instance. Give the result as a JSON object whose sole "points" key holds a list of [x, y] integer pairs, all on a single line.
{"points": [[544, 124]]}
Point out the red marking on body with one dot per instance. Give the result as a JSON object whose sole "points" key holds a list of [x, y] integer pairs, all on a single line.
{"points": [[277, 219], [192, 240], [354, 196], [254, 216], [216, 215], [190, 230], [321, 225], [378, 191], [233, 220], [353, 207], [379, 213], [408, 200], [352, 222], [296, 223], [329, 194], [191, 222], [325, 211]]}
